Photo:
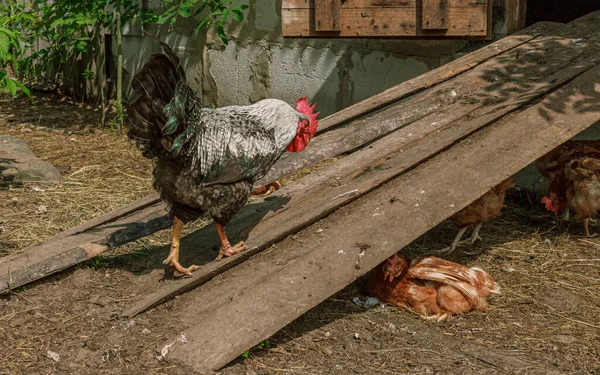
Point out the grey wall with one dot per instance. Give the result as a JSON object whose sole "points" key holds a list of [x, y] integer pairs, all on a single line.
{"points": [[259, 63]]}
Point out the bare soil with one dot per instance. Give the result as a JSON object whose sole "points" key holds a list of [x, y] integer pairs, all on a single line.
{"points": [[547, 319]]}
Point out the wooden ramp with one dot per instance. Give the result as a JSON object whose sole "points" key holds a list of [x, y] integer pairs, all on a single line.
{"points": [[494, 120], [147, 215], [427, 148]]}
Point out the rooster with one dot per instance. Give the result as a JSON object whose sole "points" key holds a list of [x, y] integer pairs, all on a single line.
{"points": [[483, 209], [208, 159], [432, 287], [569, 180]]}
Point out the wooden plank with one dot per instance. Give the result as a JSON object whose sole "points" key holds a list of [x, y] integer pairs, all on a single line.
{"points": [[327, 15], [311, 199], [221, 335], [515, 15], [387, 22], [47, 258], [346, 4], [434, 15]]}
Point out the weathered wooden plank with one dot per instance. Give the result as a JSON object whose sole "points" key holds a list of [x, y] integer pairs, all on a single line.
{"points": [[387, 22], [311, 4], [52, 249], [327, 15], [434, 15], [313, 197], [515, 15], [504, 148], [47, 258]]}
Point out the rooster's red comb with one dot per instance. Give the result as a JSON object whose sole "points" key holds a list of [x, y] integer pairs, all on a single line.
{"points": [[307, 109]]}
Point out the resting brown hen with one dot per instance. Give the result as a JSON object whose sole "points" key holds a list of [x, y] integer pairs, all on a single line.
{"points": [[483, 209], [432, 287]]}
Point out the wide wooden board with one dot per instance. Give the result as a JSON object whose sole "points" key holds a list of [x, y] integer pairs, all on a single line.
{"points": [[363, 238]]}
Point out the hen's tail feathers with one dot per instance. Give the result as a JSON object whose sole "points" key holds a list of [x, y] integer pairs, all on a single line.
{"points": [[157, 117]]}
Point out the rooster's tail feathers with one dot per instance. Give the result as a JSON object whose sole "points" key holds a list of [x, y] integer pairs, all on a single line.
{"points": [[155, 87]]}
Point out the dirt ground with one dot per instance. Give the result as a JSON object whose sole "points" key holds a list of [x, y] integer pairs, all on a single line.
{"points": [[545, 321]]}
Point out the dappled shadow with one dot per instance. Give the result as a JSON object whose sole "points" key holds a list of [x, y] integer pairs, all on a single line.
{"points": [[533, 70], [202, 246]]}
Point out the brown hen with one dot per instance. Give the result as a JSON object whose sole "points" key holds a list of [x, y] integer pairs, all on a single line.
{"points": [[568, 180], [483, 209], [432, 287]]}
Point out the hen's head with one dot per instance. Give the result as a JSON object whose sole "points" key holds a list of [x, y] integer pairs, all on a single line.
{"points": [[555, 203], [394, 267], [307, 127]]}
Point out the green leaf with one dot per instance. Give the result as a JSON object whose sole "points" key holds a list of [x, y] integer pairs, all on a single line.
{"points": [[224, 16], [10, 86], [221, 33], [24, 89], [238, 15], [185, 10], [3, 74], [205, 22], [4, 47]]}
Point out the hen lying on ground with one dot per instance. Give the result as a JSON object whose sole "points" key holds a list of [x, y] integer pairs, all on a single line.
{"points": [[434, 288], [483, 209], [208, 159], [572, 173]]}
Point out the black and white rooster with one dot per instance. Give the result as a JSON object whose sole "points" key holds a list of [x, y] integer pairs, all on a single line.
{"points": [[208, 159]]}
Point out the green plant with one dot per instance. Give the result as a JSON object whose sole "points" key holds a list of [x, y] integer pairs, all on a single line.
{"points": [[213, 12], [13, 46], [262, 345]]}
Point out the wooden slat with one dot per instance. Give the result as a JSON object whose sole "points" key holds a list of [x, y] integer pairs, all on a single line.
{"points": [[346, 4], [47, 258], [434, 15], [387, 22], [327, 15], [222, 334], [146, 209], [310, 199]]}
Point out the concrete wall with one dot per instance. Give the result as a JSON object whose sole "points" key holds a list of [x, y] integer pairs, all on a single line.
{"points": [[259, 63]]}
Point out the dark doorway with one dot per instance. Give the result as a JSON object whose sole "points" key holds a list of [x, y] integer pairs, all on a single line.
{"points": [[559, 10]]}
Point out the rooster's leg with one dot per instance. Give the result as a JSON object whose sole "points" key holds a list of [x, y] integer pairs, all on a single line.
{"points": [[475, 235], [451, 248], [566, 214], [173, 258], [267, 189], [226, 249]]}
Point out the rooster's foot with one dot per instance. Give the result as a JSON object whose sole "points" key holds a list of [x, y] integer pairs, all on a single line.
{"points": [[267, 189], [176, 266], [229, 251]]}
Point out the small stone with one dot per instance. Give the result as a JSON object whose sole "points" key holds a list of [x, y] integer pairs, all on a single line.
{"points": [[320, 230], [327, 334], [251, 372], [145, 331], [390, 328], [356, 336], [53, 355], [328, 351], [41, 209]]}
